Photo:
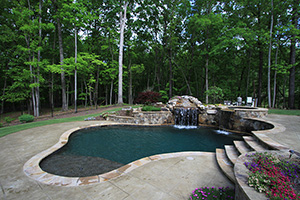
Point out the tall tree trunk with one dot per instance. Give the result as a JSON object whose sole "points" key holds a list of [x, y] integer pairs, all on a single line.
{"points": [[293, 60], [106, 96], [292, 75], [260, 73], [248, 74], [122, 27], [86, 92], [61, 57], [51, 95], [3, 93], [170, 73], [34, 78], [283, 91], [30, 58], [269, 57], [206, 78], [39, 60], [75, 73], [241, 80], [62, 75], [275, 77], [130, 100], [68, 91], [111, 91], [52, 80], [96, 89], [157, 61]]}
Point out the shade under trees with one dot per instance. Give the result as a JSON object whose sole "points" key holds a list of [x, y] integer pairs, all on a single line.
{"points": [[62, 53]]}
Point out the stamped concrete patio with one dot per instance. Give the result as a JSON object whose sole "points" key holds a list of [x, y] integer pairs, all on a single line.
{"points": [[171, 178]]}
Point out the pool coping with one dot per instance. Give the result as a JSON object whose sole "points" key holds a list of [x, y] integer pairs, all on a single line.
{"points": [[33, 170], [262, 135]]}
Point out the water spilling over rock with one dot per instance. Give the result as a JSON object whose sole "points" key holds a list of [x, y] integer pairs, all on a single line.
{"points": [[186, 116], [185, 110]]}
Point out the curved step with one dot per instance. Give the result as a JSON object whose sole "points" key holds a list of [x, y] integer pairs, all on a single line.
{"points": [[225, 164], [231, 153], [241, 146], [254, 144]]}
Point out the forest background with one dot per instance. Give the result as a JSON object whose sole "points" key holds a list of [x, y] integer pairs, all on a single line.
{"points": [[61, 53]]}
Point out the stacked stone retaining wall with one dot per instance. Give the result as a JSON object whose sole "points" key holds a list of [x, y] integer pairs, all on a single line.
{"points": [[149, 117]]}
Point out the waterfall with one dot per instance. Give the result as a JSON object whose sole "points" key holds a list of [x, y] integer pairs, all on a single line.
{"points": [[186, 116]]}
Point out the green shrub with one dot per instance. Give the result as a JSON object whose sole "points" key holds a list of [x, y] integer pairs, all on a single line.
{"points": [[26, 118], [151, 108], [1, 125], [8, 119]]}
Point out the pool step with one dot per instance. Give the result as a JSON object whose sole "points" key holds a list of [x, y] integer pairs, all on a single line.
{"points": [[241, 146], [253, 143], [225, 164], [227, 158], [231, 153]]}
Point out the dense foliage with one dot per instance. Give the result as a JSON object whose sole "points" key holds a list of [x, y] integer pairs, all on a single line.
{"points": [[26, 118], [64, 53]]}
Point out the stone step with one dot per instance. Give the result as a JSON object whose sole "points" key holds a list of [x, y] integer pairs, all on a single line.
{"points": [[253, 143], [225, 165], [241, 146], [231, 153]]}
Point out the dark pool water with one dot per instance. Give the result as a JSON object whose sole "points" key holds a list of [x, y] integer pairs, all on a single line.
{"points": [[108, 148]]}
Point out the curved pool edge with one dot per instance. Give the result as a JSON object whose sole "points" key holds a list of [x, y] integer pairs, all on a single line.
{"points": [[262, 135], [32, 168]]}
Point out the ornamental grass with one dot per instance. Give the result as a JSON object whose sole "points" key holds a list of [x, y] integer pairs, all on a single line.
{"points": [[272, 176], [207, 193]]}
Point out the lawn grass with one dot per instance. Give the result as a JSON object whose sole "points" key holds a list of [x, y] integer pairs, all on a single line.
{"points": [[284, 112], [12, 129]]}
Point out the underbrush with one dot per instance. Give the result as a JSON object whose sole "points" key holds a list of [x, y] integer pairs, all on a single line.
{"points": [[151, 108]]}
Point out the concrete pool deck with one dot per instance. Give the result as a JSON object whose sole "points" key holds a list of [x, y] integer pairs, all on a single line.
{"points": [[171, 178]]}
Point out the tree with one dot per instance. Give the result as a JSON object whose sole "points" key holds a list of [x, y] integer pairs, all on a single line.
{"points": [[208, 24], [295, 31], [58, 12], [123, 19], [269, 57]]}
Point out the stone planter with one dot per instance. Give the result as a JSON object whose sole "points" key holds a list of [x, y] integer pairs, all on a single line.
{"points": [[242, 190]]}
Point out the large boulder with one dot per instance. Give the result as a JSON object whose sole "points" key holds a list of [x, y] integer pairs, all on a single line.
{"points": [[185, 102]]}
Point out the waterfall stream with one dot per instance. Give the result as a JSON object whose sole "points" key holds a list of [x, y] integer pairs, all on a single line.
{"points": [[186, 117]]}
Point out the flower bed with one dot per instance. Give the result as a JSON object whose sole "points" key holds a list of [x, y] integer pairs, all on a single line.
{"points": [[212, 193], [276, 176]]}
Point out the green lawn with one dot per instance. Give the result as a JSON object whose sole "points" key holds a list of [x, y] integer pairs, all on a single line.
{"points": [[12, 129], [284, 112]]}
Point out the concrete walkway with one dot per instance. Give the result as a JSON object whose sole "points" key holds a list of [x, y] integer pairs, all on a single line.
{"points": [[172, 178], [291, 136]]}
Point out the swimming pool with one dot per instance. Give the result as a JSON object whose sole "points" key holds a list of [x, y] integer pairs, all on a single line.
{"points": [[98, 150]]}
